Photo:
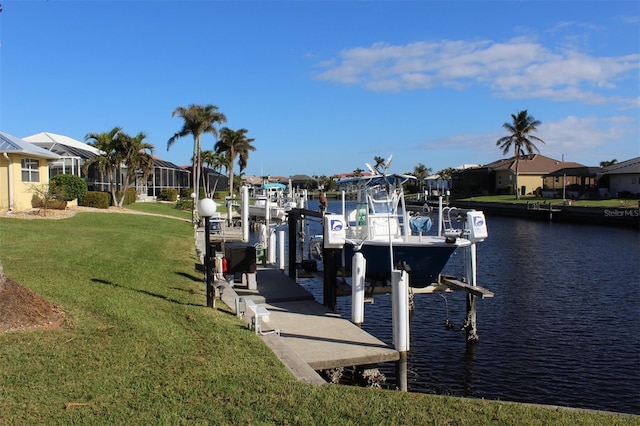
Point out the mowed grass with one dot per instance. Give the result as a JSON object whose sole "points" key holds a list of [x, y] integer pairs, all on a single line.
{"points": [[160, 208], [139, 346], [614, 202]]}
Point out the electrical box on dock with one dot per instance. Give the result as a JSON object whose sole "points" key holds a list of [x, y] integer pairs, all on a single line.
{"points": [[477, 226], [334, 231]]}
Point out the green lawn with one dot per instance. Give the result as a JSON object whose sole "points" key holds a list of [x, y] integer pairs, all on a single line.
{"points": [[139, 346], [533, 199]]}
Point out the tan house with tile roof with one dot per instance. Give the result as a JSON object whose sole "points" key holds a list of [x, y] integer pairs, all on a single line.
{"points": [[498, 177]]}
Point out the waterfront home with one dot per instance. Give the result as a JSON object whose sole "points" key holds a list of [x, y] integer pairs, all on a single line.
{"points": [[499, 177], [622, 180], [22, 166], [73, 155]]}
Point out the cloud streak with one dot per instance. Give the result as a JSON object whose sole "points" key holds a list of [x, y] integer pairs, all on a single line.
{"points": [[518, 68]]}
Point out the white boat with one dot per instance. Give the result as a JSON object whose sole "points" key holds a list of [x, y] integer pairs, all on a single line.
{"points": [[275, 196], [381, 228]]}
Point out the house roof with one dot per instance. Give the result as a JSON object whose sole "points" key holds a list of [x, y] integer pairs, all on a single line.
{"points": [[11, 145], [158, 162], [298, 178], [47, 138], [534, 164], [577, 171], [629, 166], [65, 151]]}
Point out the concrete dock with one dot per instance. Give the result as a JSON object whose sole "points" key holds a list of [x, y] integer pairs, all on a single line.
{"points": [[311, 337], [308, 331]]}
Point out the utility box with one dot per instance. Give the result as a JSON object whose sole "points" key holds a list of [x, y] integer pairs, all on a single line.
{"points": [[477, 226], [241, 258], [334, 231]]}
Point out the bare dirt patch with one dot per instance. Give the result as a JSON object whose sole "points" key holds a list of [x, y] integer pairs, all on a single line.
{"points": [[21, 308]]}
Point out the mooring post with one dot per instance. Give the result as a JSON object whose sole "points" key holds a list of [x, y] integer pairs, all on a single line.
{"points": [[359, 267], [330, 278], [470, 320], [294, 216], [244, 213], [400, 319]]}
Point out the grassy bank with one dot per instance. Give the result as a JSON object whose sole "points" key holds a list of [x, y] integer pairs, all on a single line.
{"points": [[139, 346], [614, 202]]}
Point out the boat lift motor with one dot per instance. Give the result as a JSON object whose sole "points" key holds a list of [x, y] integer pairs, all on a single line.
{"points": [[334, 231], [477, 226]]}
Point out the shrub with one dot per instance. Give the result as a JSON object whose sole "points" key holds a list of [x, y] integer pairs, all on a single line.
{"points": [[71, 186], [184, 204], [47, 203], [130, 196], [99, 200], [169, 194]]}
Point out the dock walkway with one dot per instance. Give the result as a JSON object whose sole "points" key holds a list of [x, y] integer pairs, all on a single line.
{"points": [[310, 333], [311, 336]]}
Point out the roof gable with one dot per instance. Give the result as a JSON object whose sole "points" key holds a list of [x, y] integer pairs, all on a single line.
{"points": [[47, 137]]}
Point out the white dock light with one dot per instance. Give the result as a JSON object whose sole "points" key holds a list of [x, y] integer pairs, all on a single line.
{"points": [[207, 208]]}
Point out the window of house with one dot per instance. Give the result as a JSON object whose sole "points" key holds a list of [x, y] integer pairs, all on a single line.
{"points": [[30, 170]]}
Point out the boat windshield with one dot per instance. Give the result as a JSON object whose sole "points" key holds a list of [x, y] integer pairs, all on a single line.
{"points": [[381, 202]]}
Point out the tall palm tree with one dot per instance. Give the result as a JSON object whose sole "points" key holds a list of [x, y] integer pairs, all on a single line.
{"points": [[198, 119], [234, 143], [520, 139], [109, 159]]}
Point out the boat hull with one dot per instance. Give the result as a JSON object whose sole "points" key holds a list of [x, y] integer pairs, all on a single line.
{"points": [[426, 261]]}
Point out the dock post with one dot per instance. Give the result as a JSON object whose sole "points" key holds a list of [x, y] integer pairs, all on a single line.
{"points": [[271, 246], [470, 321], [357, 288], [244, 213], [400, 319], [330, 278], [281, 250], [401, 372], [292, 220]]}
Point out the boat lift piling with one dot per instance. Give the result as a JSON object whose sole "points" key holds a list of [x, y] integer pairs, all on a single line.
{"points": [[400, 320], [357, 288]]}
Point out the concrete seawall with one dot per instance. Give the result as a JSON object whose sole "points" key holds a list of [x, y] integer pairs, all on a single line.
{"points": [[628, 217]]}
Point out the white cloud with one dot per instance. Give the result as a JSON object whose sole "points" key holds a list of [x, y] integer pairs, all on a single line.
{"points": [[587, 140], [518, 68]]}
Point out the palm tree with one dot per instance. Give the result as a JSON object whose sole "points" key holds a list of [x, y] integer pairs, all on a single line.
{"points": [[109, 159], [215, 161], [234, 143], [198, 119], [520, 138], [120, 150], [136, 157], [608, 163], [421, 171]]}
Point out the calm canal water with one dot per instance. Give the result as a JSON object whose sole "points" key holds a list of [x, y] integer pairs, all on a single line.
{"points": [[562, 329]]}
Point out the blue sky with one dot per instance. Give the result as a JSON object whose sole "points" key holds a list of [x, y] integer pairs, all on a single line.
{"points": [[325, 86]]}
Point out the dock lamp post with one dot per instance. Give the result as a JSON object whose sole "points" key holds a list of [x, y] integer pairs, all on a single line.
{"points": [[206, 208]]}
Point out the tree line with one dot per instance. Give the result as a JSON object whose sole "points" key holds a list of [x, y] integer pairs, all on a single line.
{"points": [[121, 150]]}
